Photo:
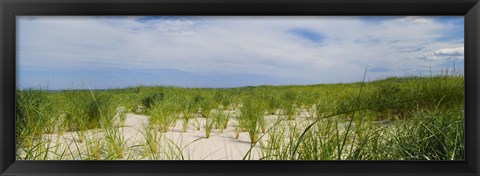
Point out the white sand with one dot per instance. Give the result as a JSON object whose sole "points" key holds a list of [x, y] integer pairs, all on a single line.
{"points": [[173, 144], [219, 146], [193, 144]]}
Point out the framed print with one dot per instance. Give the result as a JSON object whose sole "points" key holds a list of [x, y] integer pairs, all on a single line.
{"points": [[251, 87]]}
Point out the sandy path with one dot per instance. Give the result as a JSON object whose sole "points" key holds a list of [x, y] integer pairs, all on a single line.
{"points": [[193, 144], [175, 144], [79, 145]]}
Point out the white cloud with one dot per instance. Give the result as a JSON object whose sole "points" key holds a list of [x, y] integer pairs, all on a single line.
{"points": [[455, 53], [458, 51], [414, 20]]}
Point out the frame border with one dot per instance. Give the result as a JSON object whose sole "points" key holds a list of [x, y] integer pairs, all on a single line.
{"points": [[9, 9]]}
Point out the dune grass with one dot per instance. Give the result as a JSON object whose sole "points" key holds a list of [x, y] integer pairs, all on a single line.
{"points": [[408, 118]]}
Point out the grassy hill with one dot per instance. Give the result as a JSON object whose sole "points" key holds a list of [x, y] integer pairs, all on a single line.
{"points": [[410, 118]]}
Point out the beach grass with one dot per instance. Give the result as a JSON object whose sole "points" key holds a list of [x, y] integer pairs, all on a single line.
{"points": [[396, 118]]}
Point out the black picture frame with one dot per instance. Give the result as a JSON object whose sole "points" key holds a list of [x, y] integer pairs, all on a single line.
{"points": [[9, 9]]}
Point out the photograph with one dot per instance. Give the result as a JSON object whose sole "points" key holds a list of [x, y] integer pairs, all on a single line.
{"points": [[240, 88]]}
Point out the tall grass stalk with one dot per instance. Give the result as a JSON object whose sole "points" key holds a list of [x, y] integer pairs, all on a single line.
{"points": [[208, 127], [220, 120]]}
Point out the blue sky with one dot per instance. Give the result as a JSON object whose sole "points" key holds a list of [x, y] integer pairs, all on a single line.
{"points": [[98, 52]]}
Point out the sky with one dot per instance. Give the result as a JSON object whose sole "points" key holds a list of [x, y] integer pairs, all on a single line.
{"points": [[102, 52]]}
